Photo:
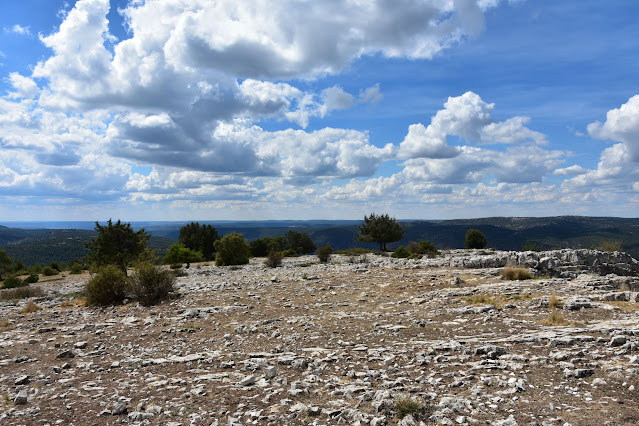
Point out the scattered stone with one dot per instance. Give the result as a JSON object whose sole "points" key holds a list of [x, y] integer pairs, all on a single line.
{"points": [[21, 398]]}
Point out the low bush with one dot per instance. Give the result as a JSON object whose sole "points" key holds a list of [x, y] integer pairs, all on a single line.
{"points": [[354, 251], [232, 249], [107, 287], [48, 271], [13, 282], [274, 259], [31, 279], [21, 293], [613, 245], [401, 252], [475, 239], [423, 247], [289, 253], [516, 273], [76, 269], [324, 253], [151, 285]]}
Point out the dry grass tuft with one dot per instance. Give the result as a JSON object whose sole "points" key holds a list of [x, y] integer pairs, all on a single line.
{"points": [[555, 318], [21, 293], [554, 302], [405, 406], [5, 323], [78, 302], [485, 299], [516, 273], [30, 307]]}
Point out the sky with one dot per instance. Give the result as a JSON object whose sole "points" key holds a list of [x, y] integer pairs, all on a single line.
{"points": [[334, 109]]}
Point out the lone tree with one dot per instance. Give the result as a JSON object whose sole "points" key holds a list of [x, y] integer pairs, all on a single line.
{"points": [[180, 254], [300, 242], [381, 229], [5, 263], [199, 238], [475, 239], [232, 249], [116, 244]]}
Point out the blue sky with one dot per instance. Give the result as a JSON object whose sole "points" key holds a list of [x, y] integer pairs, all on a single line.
{"points": [[425, 109]]}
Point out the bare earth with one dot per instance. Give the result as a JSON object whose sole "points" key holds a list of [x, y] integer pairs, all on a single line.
{"points": [[337, 343]]}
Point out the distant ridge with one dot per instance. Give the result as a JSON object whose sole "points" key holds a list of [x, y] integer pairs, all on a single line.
{"points": [[33, 244]]}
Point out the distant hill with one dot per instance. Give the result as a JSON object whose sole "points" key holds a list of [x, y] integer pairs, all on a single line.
{"points": [[44, 246]]}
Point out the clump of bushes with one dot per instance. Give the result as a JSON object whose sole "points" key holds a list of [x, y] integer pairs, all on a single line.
{"points": [[475, 239], [354, 251], [324, 253], [107, 287], [13, 282], [76, 269], [516, 273], [150, 285], [21, 293], [423, 247], [289, 253], [48, 271], [274, 259], [613, 245], [31, 279], [401, 252], [232, 249]]}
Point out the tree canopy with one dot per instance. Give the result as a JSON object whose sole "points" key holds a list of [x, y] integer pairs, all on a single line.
{"points": [[300, 242], [199, 238], [116, 244], [5, 263], [381, 229], [232, 249], [178, 253], [475, 239]]}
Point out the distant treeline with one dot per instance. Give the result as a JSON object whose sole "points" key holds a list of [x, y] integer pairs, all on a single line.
{"points": [[37, 246]]}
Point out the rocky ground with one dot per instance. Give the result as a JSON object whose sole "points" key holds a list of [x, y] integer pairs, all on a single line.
{"points": [[362, 340]]}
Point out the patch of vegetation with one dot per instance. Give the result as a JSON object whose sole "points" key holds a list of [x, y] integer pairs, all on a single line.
{"points": [[151, 285], [30, 307], [179, 253], [324, 253], [405, 406], [21, 293], [232, 249], [31, 279], [485, 299], [289, 253], [554, 302], [354, 251], [516, 273], [423, 247], [381, 229], [274, 259], [13, 282], [48, 271], [116, 244], [261, 247], [199, 238], [107, 287], [555, 318], [610, 245], [475, 239], [401, 253]]}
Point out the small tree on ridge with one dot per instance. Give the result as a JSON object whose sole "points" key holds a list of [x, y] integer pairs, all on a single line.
{"points": [[381, 229]]}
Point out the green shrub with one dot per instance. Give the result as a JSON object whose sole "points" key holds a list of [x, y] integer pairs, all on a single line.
{"points": [[289, 253], [13, 282], [422, 247], [178, 253], [531, 246], [151, 285], [324, 253], [475, 239], [33, 278], [401, 252], [55, 266], [48, 271], [232, 249], [107, 287], [274, 259], [415, 256], [354, 251], [76, 269], [21, 293], [405, 406], [19, 267], [613, 245], [35, 269]]}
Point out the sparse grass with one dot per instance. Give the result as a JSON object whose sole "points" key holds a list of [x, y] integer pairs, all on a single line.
{"points": [[405, 406], [21, 293], [516, 273], [77, 302], [626, 307], [555, 318], [355, 251], [305, 276], [554, 302], [5, 323], [525, 296], [7, 400], [30, 307], [485, 299]]}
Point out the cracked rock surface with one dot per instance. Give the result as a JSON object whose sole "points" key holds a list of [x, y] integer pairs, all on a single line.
{"points": [[339, 343]]}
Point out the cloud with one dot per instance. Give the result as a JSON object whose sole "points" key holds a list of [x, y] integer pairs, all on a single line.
{"points": [[24, 86], [574, 170], [466, 116], [18, 29], [622, 125]]}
